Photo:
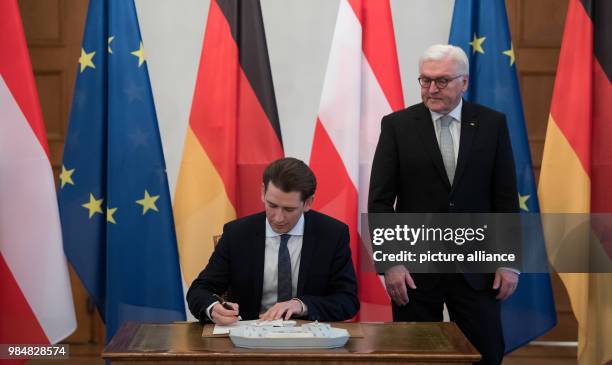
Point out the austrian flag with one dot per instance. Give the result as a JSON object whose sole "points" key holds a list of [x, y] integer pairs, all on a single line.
{"points": [[35, 297]]}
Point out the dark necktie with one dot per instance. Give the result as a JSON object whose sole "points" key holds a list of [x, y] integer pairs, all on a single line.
{"points": [[284, 270]]}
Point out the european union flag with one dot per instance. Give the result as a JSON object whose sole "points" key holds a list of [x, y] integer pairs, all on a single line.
{"points": [[114, 201], [481, 29]]}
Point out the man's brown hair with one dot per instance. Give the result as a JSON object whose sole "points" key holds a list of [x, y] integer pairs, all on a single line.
{"points": [[290, 174]]}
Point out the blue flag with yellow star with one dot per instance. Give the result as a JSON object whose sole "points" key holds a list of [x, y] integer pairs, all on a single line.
{"points": [[114, 200], [480, 27]]}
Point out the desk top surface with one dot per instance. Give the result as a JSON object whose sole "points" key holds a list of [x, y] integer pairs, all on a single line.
{"points": [[393, 341]]}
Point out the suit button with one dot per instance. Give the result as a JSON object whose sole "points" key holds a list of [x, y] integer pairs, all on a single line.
{"points": [[451, 204]]}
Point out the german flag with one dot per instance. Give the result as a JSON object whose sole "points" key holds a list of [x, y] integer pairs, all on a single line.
{"points": [[233, 132], [576, 174]]}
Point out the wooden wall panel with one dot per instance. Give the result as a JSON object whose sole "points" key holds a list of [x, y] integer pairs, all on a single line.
{"points": [[42, 21], [541, 23], [537, 93], [50, 91], [542, 60]]}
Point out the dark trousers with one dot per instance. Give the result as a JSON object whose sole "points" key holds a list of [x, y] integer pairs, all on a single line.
{"points": [[476, 312]]}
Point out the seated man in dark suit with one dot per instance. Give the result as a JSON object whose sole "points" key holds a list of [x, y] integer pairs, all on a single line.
{"points": [[288, 261]]}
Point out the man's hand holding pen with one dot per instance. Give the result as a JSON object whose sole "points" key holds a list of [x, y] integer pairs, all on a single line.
{"points": [[224, 312]]}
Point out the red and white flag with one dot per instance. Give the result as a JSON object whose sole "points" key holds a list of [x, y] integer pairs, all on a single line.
{"points": [[35, 298], [362, 84]]}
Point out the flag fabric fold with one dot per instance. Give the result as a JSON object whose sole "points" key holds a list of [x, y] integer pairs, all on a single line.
{"points": [[35, 294], [481, 29], [233, 132], [114, 200], [578, 153], [362, 84]]}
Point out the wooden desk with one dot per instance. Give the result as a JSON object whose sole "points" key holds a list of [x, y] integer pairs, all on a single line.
{"points": [[391, 343]]}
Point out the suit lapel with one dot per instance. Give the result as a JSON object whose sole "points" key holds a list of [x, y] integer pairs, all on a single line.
{"points": [[430, 142], [258, 245], [469, 126], [308, 248]]}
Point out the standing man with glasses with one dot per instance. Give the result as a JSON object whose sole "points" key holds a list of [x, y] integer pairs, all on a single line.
{"points": [[447, 155]]}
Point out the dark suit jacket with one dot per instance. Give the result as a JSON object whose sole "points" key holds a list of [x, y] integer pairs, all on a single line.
{"points": [[408, 167], [326, 281]]}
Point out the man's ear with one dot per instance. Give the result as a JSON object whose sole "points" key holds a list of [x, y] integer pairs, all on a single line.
{"points": [[308, 203], [263, 193]]}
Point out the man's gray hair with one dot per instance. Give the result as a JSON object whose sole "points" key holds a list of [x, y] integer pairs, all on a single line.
{"points": [[439, 52]]}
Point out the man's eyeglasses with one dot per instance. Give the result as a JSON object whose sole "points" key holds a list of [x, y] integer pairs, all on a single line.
{"points": [[441, 82]]}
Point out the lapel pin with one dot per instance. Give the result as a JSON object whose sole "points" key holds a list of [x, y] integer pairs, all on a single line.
{"points": [[472, 124]]}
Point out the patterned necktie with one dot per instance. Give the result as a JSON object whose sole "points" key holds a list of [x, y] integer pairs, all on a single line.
{"points": [[446, 147], [284, 270]]}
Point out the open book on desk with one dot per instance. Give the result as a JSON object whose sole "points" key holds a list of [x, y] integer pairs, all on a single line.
{"points": [[212, 330], [225, 329]]}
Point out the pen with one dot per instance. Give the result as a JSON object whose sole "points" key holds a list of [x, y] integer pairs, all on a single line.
{"points": [[223, 303]]}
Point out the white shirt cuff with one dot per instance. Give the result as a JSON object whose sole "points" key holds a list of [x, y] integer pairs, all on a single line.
{"points": [[517, 272], [209, 310], [304, 311]]}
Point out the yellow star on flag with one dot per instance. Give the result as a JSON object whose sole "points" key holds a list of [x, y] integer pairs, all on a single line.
{"points": [[86, 60], [476, 44], [94, 206], [110, 39], [66, 176], [148, 202], [523, 202], [510, 53], [109, 215], [140, 54]]}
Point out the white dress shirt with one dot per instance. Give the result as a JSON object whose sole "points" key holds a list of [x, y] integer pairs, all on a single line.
{"points": [[269, 294]]}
